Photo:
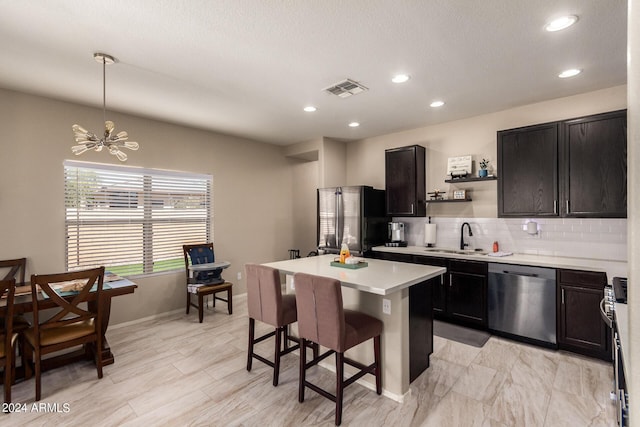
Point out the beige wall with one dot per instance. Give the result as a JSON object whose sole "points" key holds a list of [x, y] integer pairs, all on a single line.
{"points": [[475, 136], [252, 201]]}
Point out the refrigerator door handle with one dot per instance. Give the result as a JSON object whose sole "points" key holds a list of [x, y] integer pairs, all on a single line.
{"points": [[339, 217]]}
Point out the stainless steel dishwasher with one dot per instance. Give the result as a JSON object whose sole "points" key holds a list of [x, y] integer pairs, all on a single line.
{"points": [[522, 302]]}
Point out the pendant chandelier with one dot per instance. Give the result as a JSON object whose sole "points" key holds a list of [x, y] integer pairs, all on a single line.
{"points": [[90, 141]]}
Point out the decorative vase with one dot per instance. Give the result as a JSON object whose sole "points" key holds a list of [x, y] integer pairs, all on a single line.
{"points": [[482, 173]]}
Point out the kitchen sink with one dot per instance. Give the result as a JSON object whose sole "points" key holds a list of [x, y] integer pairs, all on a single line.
{"points": [[456, 251]]}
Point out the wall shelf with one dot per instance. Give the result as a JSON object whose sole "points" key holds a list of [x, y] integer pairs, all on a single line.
{"points": [[472, 179], [448, 201]]}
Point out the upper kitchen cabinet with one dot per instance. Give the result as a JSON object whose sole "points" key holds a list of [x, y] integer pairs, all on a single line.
{"points": [[573, 168], [405, 181], [595, 164], [528, 165]]}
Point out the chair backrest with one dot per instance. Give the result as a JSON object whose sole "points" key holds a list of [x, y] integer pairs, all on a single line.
{"points": [[87, 284], [201, 253], [320, 310], [264, 294], [16, 269], [7, 289]]}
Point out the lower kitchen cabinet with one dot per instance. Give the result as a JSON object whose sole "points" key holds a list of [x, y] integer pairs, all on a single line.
{"points": [[420, 328], [467, 292], [461, 295], [580, 326]]}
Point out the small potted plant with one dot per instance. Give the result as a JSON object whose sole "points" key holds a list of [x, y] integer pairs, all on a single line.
{"points": [[484, 164]]}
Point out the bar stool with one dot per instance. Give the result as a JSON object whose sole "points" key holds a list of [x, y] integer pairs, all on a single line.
{"points": [[267, 304], [323, 320]]}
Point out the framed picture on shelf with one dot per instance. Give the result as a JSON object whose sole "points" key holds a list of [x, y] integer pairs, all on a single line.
{"points": [[460, 194]]}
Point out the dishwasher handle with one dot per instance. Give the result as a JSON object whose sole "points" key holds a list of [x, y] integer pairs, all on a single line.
{"points": [[513, 273]]}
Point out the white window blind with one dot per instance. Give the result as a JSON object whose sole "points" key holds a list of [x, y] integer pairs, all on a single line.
{"points": [[133, 220]]}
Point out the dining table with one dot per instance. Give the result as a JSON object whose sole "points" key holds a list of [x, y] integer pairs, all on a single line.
{"points": [[23, 304]]}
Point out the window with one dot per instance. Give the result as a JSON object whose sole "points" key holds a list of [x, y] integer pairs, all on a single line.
{"points": [[133, 220]]}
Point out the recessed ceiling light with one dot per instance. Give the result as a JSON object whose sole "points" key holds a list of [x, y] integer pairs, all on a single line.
{"points": [[561, 23], [354, 124], [310, 109], [436, 104], [569, 73], [400, 78]]}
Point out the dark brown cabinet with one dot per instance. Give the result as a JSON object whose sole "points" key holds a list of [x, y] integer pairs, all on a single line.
{"points": [[595, 162], [405, 181], [580, 326], [467, 292], [528, 165], [573, 168], [461, 295]]}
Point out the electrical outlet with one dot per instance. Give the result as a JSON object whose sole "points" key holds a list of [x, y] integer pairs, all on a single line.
{"points": [[239, 275], [386, 306]]}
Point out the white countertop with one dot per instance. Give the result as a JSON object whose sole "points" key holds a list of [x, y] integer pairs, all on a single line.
{"points": [[379, 277], [612, 268]]}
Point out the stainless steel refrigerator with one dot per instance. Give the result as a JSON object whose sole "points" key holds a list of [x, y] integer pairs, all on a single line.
{"points": [[353, 215]]}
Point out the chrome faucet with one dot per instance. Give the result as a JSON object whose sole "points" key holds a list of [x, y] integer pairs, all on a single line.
{"points": [[462, 243]]}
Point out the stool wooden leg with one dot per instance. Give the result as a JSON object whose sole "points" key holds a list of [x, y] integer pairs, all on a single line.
{"points": [[339, 386], [252, 330], [376, 355], [276, 363], [229, 304], [200, 307], [301, 376], [188, 301]]}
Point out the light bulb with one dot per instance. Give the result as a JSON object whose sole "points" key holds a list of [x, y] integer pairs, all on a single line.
{"points": [[131, 145], [79, 149]]}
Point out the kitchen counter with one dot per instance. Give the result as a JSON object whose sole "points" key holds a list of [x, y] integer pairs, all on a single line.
{"points": [[407, 336], [612, 268], [379, 277]]}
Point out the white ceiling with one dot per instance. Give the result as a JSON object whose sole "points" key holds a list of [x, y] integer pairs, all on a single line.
{"points": [[248, 67]]}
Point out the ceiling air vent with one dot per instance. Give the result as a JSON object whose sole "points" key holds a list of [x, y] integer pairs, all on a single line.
{"points": [[346, 88]]}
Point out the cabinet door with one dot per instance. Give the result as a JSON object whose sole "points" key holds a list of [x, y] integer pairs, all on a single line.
{"points": [[467, 292], [528, 171], [438, 286], [595, 166], [405, 181], [581, 329]]}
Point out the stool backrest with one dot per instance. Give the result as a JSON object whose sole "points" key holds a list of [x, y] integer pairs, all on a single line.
{"points": [[264, 294], [320, 310]]}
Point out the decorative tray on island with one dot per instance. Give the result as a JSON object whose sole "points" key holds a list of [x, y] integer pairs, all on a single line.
{"points": [[360, 264]]}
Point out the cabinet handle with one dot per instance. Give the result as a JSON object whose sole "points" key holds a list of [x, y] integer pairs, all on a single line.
{"points": [[555, 207], [567, 207], [562, 291], [412, 208], [450, 280]]}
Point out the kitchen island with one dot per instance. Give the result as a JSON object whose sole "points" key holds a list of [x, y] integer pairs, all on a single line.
{"points": [[407, 337]]}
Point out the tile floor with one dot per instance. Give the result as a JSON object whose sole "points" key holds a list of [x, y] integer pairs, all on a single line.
{"points": [[174, 371]]}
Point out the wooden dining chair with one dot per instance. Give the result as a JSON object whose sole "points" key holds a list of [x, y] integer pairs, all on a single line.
{"points": [[204, 283], [8, 337], [68, 323], [15, 269]]}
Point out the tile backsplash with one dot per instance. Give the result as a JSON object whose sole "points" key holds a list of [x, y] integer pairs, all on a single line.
{"points": [[597, 238]]}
